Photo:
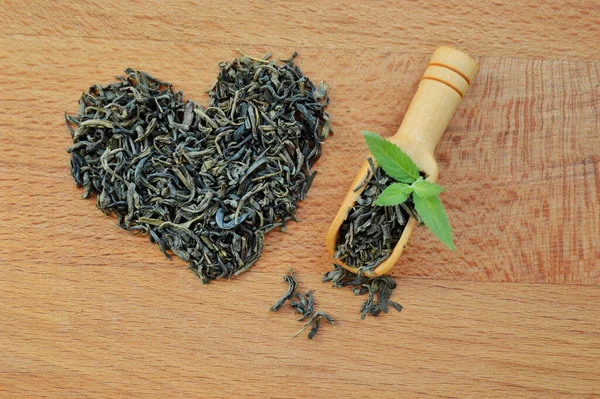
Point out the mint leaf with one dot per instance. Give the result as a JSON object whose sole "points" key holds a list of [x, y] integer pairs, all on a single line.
{"points": [[426, 189], [394, 194], [391, 158], [432, 213]]}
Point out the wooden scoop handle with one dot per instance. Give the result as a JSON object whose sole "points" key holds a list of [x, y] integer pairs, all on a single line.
{"points": [[444, 83]]}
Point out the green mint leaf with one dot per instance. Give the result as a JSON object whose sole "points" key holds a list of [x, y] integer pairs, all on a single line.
{"points": [[432, 213], [394, 194], [426, 189], [391, 158]]}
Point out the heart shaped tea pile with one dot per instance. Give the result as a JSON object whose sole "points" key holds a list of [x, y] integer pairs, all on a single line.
{"points": [[204, 183]]}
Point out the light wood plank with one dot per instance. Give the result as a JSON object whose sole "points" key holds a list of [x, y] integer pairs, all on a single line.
{"points": [[89, 310], [549, 29], [146, 329]]}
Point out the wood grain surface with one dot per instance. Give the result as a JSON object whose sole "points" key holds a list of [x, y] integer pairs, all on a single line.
{"points": [[89, 310]]}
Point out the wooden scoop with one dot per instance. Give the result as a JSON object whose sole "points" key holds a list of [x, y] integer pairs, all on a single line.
{"points": [[444, 83]]}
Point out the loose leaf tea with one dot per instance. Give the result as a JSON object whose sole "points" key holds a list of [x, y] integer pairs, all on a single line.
{"points": [[315, 322], [304, 305], [370, 232], [379, 289], [291, 280], [205, 183]]}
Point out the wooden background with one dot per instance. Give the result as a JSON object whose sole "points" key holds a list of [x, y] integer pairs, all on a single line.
{"points": [[88, 310]]}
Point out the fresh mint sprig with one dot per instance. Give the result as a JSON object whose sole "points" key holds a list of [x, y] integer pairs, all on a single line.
{"points": [[425, 194]]}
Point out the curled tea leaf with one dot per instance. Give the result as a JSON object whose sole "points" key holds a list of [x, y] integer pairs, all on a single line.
{"points": [[291, 280], [304, 304], [315, 322], [380, 290]]}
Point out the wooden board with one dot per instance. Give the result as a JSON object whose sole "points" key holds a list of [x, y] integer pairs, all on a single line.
{"points": [[89, 310], [553, 29]]}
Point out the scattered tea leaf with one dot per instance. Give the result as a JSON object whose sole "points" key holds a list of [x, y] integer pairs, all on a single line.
{"points": [[291, 280], [304, 304], [380, 289], [315, 322]]}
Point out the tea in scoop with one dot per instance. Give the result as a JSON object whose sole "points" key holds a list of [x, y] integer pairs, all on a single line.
{"points": [[444, 83]]}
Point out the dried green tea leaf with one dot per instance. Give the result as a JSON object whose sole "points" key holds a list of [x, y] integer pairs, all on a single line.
{"points": [[380, 289], [315, 321], [204, 183], [290, 279], [370, 232], [304, 304]]}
